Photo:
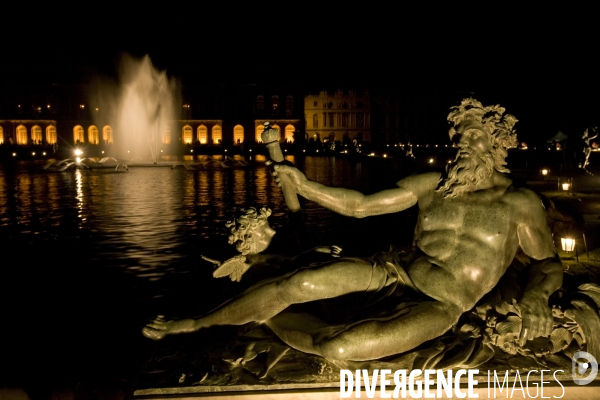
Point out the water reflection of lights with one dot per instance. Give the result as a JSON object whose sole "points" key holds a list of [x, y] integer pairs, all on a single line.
{"points": [[79, 193]]}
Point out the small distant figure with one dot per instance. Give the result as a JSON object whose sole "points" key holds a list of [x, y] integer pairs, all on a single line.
{"points": [[587, 147]]}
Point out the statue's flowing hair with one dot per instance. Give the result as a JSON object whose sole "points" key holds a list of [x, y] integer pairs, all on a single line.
{"points": [[462, 175], [242, 227]]}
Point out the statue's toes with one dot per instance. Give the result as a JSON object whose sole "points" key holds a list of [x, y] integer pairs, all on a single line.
{"points": [[152, 333]]}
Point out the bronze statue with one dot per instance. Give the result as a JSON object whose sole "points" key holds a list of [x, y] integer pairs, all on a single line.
{"points": [[587, 147], [471, 223]]}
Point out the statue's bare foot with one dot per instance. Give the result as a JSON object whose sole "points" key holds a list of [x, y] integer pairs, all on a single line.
{"points": [[156, 329], [159, 327]]}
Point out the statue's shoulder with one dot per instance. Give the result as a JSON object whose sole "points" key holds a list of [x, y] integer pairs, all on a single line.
{"points": [[524, 199], [427, 180]]}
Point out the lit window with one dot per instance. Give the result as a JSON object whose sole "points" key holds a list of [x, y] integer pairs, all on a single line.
{"points": [[275, 102], [51, 134], [167, 136], [187, 134], [289, 133], [107, 134], [203, 134], [217, 134], [315, 121], [259, 130], [93, 137], [36, 134], [238, 134], [78, 134]]}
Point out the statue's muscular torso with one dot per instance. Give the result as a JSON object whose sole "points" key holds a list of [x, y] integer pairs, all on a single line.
{"points": [[467, 242]]}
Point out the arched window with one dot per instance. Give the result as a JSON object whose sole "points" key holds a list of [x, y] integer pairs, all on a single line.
{"points": [[78, 134], [187, 134], [315, 121], [21, 134], [289, 105], [277, 127], [51, 134], [259, 131], [202, 134], [36, 134], [260, 102], [275, 102], [289, 133], [167, 136], [217, 134], [238, 134], [93, 135], [1, 135], [107, 134]]}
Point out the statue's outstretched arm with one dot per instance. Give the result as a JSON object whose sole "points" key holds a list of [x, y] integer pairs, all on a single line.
{"points": [[346, 201]]}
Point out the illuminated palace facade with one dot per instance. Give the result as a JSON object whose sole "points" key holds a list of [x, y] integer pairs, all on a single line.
{"points": [[51, 118], [209, 118]]}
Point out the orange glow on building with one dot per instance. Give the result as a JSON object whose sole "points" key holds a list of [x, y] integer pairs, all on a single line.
{"points": [[51, 137], [259, 130], [187, 134], [238, 134], [289, 133], [78, 134], [93, 136], [167, 136], [202, 133], [217, 134], [21, 134], [107, 134], [1, 135], [36, 134]]}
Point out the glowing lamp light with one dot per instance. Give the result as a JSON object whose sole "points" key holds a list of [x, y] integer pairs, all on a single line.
{"points": [[44, 153], [102, 151], [33, 153], [14, 154], [78, 160], [385, 155], [78, 152], [545, 171], [567, 244], [565, 186], [431, 161]]}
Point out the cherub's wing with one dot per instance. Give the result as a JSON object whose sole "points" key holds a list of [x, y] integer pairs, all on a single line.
{"points": [[234, 267]]}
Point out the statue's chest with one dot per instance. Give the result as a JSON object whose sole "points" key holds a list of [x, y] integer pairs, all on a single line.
{"points": [[477, 212]]}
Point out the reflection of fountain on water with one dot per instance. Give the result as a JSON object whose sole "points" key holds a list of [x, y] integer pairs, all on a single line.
{"points": [[140, 108]]}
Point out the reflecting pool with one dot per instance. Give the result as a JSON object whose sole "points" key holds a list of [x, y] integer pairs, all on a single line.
{"points": [[88, 256]]}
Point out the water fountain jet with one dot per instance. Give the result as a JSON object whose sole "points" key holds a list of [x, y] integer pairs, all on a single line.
{"points": [[141, 109]]}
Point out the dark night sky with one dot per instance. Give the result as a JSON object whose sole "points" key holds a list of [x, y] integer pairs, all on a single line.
{"points": [[542, 67]]}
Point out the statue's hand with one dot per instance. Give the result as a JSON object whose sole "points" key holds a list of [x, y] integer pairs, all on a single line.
{"points": [[335, 251], [536, 315], [296, 177]]}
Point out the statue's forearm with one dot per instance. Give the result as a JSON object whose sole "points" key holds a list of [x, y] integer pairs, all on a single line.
{"points": [[355, 204], [545, 277]]}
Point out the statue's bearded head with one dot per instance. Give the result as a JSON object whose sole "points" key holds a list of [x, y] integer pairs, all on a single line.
{"points": [[483, 136], [244, 226]]}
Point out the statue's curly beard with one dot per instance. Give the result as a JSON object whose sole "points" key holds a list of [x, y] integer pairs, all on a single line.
{"points": [[465, 174]]}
